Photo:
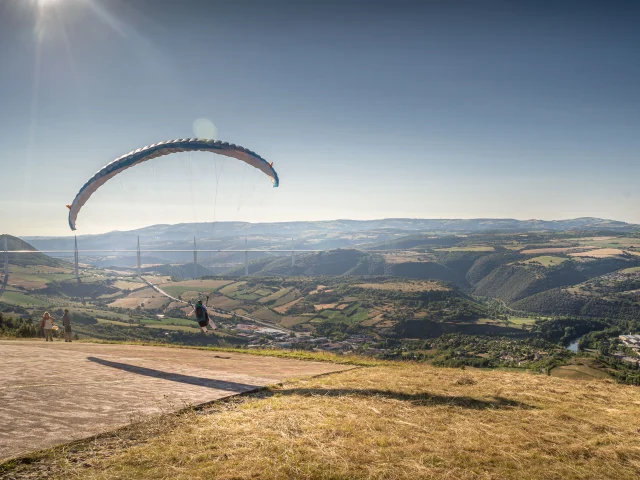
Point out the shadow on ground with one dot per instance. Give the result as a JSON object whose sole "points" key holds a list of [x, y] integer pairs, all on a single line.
{"points": [[418, 399], [177, 377]]}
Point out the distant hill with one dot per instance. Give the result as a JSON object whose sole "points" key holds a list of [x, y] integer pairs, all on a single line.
{"points": [[348, 262], [416, 240], [325, 234], [26, 259], [179, 271]]}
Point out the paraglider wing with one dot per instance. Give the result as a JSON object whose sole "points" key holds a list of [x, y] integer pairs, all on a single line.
{"points": [[165, 148]]}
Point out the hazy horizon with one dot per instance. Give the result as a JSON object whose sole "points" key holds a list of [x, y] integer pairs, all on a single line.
{"points": [[369, 110], [196, 232]]}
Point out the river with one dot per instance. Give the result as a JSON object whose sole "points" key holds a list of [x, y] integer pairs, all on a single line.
{"points": [[573, 346]]}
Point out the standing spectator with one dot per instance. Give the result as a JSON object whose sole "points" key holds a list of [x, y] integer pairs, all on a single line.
{"points": [[66, 323], [47, 325]]}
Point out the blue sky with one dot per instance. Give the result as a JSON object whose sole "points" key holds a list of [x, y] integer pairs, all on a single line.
{"points": [[447, 109]]}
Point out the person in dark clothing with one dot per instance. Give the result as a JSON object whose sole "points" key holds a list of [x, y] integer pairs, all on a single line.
{"points": [[66, 323], [202, 316]]}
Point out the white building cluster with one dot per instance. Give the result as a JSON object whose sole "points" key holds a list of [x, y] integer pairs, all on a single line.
{"points": [[631, 341]]}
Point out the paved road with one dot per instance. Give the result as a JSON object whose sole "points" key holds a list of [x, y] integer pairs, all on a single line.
{"points": [[52, 393]]}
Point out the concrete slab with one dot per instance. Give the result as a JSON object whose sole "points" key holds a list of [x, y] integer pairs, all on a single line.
{"points": [[52, 393]]}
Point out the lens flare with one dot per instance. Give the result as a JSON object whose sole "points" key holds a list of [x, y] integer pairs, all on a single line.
{"points": [[205, 128], [46, 3]]}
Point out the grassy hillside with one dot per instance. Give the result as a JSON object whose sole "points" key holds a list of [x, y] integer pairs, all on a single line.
{"points": [[14, 243], [532, 274], [562, 301], [513, 282], [391, 422]]}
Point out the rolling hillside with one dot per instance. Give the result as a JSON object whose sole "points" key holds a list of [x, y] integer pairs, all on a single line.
{"points": [[14, 243], [351, 262]]}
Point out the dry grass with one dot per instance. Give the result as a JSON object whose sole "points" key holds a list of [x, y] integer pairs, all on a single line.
{"points": [[387, 422]]}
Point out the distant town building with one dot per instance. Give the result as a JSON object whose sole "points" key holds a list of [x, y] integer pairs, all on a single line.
{"points": [[246, 327], [632, 341]]}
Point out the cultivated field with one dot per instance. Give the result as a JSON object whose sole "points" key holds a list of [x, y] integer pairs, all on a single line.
{"points": [[546, 260], [599, 253], [538, 251], [470, 248], [407, 286]]}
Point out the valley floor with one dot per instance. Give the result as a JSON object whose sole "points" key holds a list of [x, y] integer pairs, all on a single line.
{"points": [[388, 421]]}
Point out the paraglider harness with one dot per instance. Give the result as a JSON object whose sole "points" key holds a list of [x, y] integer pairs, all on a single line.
{"points": [[202, 316]]}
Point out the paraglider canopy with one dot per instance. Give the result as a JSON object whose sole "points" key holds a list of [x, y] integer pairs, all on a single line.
{"points": [[165, 148]]}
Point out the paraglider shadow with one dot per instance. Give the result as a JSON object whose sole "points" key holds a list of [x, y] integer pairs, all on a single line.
{"points": [[425, 399], [177, 377]]}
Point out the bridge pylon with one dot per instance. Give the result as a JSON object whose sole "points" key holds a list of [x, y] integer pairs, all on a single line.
{"points": [[246, 258], [6, 258], [195, 259], [139, 259], [76, 258]]}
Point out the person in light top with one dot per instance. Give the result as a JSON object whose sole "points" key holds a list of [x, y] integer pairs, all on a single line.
{"points": [[47, 326]]}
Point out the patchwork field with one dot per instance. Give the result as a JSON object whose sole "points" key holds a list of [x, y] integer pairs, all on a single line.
{"points": [[176, 289], [470, 248], [127, 285], [599, 253], [299, 304], [537, 251], [579, 371], [285, 308], [406, 257], [522, 322], [406, 286], [16, 298], [144, 298], [272, 297]]}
